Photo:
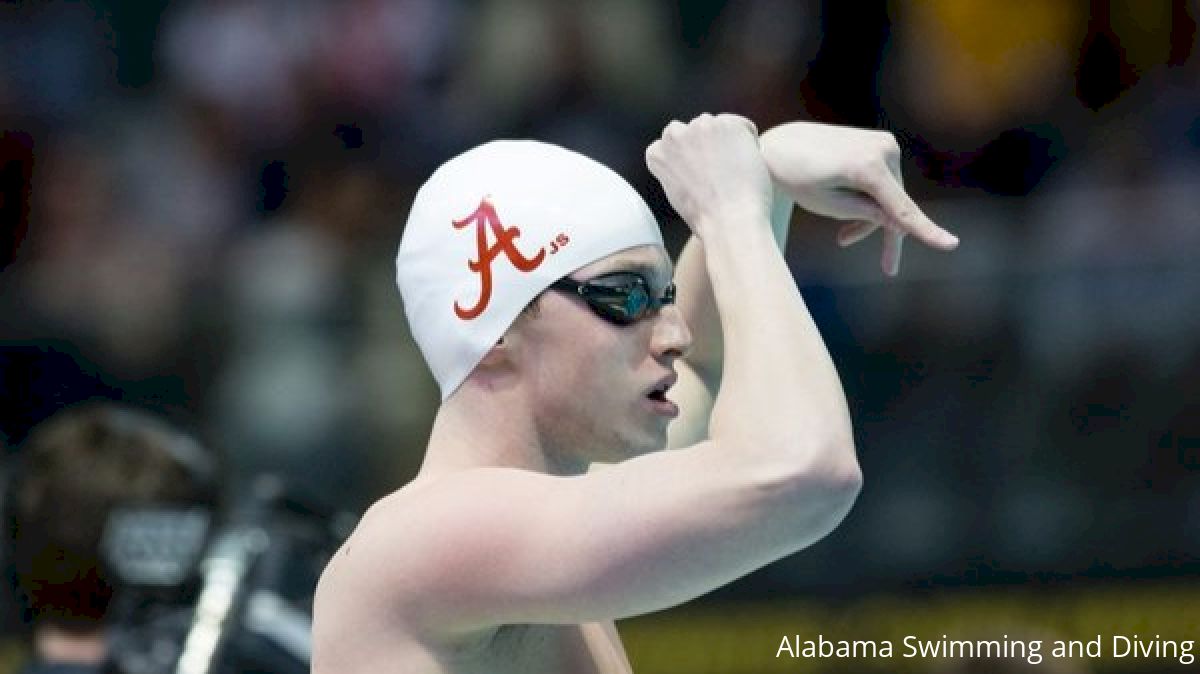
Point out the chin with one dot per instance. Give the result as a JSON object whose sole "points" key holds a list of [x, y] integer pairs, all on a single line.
{"points": [[620, 441], [625, 448], [648, 444]]}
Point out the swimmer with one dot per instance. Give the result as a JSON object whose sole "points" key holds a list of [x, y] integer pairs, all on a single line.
{"points": [[617, 434]]}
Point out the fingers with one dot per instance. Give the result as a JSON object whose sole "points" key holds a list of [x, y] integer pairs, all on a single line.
{"points": [[654, 160], [901, 210], [711, 168], [853, 232], [749, 124], [654, 156], [847, 204], [893, 243], [675, 127]]}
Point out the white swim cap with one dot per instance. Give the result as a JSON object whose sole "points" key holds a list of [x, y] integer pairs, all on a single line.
{"points": [[494, 227]]}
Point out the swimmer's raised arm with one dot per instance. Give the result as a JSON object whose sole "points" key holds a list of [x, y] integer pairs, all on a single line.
{"points": [[496, 546], [700, 368], [851, 174], [840, 172], [780, 405]]}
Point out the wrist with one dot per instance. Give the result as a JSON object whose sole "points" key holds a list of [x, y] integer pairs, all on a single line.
{"points": [[735, 220], [744, 253]]}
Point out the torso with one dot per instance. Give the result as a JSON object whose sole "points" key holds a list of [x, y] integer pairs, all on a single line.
{"points": [[371, 646], [356, 631]]}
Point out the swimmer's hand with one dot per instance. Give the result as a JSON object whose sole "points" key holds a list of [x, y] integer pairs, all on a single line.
{"points": [[850, 174], [713, 173]]}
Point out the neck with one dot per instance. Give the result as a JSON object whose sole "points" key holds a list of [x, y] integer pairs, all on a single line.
{"points": [[54, 644], [479, 426]]}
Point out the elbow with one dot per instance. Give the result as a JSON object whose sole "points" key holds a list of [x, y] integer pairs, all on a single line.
{"points": [[848, 479], [845, 488], [830, 468], [825, 496], [831, 491], [823, 487]]}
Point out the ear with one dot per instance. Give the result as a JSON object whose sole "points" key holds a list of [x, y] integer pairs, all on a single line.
{"points": [[499, 356], [508, 351]]}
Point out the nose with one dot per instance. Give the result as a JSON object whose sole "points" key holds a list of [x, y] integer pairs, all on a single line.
{"points": [[671, 335]]}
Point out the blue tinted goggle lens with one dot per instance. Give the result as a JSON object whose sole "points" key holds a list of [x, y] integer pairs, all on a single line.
{"points": [[620, 298]]}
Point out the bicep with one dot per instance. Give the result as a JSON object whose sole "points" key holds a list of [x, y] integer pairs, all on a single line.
{"points": [[636, 537]]}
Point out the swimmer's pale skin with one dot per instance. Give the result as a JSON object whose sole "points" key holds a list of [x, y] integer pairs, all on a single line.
{"points": [[512, 551]]}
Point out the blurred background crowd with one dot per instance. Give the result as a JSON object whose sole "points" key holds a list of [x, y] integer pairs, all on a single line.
{"points": [[200, 203]]}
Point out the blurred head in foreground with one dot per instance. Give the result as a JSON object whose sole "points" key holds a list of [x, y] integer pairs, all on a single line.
{"points": [[75, 470]]}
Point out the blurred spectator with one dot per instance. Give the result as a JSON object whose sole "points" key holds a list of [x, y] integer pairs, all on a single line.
{"points": [[766, 47], [57, 61], [590, 76], [969, 70], [95, 275], [77, 469], [241, 60], [984, 83]]}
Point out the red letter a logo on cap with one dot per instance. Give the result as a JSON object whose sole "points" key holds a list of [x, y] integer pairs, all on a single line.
{"points": [[484, 216]]}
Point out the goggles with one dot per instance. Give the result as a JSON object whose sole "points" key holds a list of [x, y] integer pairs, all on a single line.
{"points": [[621, 298]]}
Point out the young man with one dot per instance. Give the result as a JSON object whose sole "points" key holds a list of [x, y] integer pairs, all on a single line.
{"points": [[537, 286]]}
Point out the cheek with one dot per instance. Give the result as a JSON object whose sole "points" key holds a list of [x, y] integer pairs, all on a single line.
{"points": [[577, 371], [580, 373], [568, 401]]}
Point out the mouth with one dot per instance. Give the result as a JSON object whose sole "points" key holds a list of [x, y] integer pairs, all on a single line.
{"points": [[659, 392], [657, 397]]}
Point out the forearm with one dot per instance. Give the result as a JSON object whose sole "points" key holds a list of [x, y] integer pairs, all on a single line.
{"points": [[696, 299], [779, 412], [780, 397]]}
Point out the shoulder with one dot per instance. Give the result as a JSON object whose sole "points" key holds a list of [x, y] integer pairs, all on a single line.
{"points": [[426, 510], [386, 593], [463, 509], [422, 541]]}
